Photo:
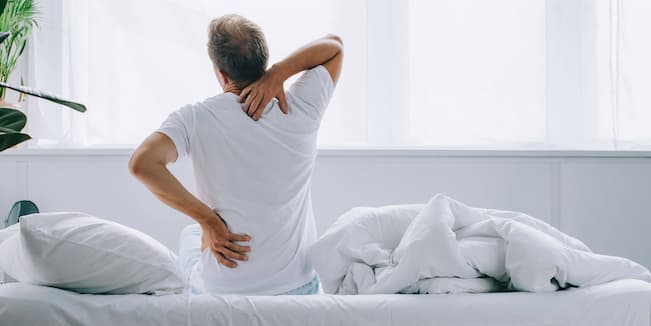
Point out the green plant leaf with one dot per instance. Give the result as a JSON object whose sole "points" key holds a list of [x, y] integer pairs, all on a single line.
{"points": [[12, 119], [18, 18], [12, 139], [4, 36], [7, 130], [22, 48], [30, 91], [17, 34], [3, 4]]}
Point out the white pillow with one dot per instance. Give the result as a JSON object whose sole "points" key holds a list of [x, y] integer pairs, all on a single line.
{"points": [[86, 254], [7, 232]]}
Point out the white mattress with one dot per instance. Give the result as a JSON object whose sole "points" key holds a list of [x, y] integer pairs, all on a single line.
{"points": [[626, 302]]}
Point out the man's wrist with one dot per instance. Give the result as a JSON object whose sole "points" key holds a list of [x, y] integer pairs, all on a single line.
{"points": [[211, 220], [279, 72], [209, 224], [204, 216]]}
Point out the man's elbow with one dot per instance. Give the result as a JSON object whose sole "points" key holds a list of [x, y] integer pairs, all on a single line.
{"points": [[137, 165], [336, 39]]}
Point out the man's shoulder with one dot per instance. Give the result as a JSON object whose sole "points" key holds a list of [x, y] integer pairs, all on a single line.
{"points": [[312, 91], [219, 101], [215, 104]]}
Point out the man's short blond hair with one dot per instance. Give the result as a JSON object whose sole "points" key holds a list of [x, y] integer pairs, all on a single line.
{"points": [[238, 48]]}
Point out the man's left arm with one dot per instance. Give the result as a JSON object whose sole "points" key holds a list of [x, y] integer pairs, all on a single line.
{"points": [[149, 165]]}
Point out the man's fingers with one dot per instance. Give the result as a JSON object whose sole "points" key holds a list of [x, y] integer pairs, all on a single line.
{"points": [[236, 247], [258, 113], [238, 237], [224, 261], [234, 255], [282, 101], [255, 105], [261, 106], [250, 104], [244, 94], [247, 102]]}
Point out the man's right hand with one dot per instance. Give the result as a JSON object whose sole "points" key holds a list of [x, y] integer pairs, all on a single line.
{"points": [[223, 243], [255, 97], [326, 51]]}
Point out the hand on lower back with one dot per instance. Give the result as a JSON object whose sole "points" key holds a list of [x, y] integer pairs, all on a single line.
{"points": [[224, 244], [256, 96]]}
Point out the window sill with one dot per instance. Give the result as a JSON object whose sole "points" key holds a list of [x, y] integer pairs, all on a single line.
{"points": [[363, 152]]}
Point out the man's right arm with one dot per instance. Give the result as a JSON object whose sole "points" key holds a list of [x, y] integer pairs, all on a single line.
{"points": [[149, 165], [326, 51]]}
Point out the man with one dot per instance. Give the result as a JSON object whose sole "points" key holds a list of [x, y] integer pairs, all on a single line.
{"points": [[253, 159]]}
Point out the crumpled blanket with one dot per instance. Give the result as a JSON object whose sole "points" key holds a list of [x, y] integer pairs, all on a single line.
{"points": [[445, 246]]}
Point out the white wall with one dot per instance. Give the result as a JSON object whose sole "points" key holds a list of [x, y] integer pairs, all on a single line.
{"points": [[600, 197]]}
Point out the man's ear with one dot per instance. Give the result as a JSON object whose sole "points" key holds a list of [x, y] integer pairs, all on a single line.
{"points": [[223, 77]]}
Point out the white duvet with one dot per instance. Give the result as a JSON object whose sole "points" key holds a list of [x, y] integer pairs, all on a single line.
{"points": [[445, 246]]}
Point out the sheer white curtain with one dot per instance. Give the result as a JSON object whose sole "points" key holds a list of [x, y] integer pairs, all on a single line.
{"points": [[478, 72], [632, 105], [444, 73], [134, 62]]}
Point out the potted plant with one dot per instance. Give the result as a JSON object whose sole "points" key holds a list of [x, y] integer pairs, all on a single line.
{"points": [[17, 19]]}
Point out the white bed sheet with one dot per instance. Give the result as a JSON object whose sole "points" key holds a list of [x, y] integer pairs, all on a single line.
{"points": [[25, 304], [625, 302]]}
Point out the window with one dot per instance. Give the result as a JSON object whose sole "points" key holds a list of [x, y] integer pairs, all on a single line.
{"points": [[443, 73], [477, 72], [633, 85]]}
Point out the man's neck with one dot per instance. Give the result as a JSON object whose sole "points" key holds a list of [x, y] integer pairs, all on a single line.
{"points": [[232, 89]]}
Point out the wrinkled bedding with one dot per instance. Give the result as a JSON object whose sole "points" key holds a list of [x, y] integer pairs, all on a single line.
{"points": [[446, 246], [625, 302]]}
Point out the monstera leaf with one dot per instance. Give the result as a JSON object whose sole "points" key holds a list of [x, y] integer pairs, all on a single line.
{"points": [[8, 140], [11, 123], [30, 91], [17, 23], [4, 36], [12, 119]]}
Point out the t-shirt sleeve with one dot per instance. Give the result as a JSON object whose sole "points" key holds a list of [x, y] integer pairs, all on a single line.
{"points": [[179, 127], [315, 88]]}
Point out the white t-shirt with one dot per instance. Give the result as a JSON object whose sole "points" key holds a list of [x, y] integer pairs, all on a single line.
{"points": [[256, 175]]}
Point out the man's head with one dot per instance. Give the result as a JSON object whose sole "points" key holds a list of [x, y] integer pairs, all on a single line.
{"points": [[238, 50]]}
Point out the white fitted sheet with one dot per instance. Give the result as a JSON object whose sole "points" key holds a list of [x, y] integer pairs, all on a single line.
{"points": [[625, 302]]}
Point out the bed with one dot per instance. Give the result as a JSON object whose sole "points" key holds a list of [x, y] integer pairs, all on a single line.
{"points": [[624, 302]]}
